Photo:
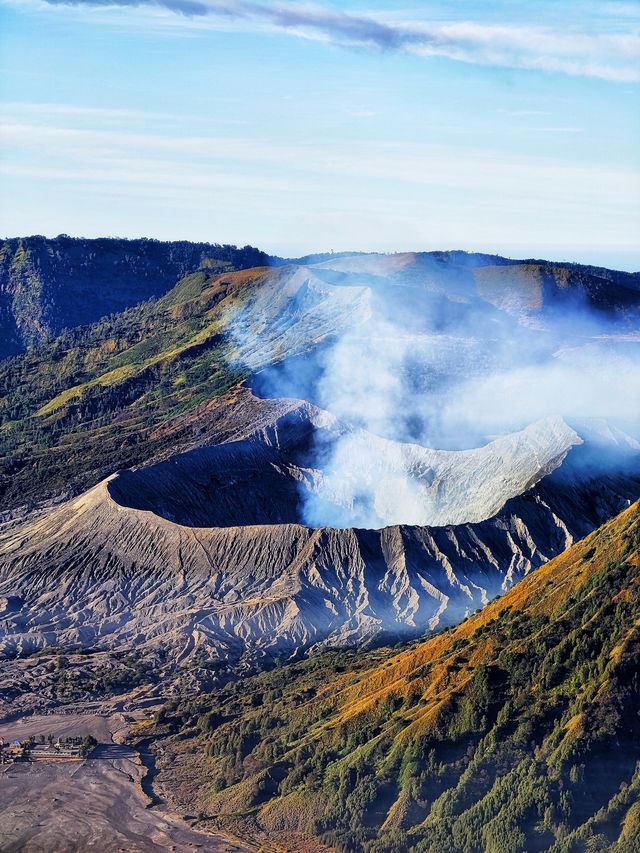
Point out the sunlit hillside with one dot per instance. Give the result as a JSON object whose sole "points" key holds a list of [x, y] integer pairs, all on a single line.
{"points": [[516, 730]]}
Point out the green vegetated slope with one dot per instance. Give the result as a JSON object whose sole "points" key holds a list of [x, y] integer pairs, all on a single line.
{"points": [[94, 399], [518, 730], [111, 395], [48, 285]]}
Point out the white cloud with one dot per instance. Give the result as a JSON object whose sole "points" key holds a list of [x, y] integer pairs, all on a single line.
{"points": [[613, 56], [71, 110], [413, 163], [359, 191]]}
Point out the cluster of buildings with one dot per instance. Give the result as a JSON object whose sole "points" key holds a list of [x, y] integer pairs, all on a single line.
{"points": [[46, 749]]}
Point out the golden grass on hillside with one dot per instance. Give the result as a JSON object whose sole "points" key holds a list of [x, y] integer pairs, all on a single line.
{"points": [[543, 592]]}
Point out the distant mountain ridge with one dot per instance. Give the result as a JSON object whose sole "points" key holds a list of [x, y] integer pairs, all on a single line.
{"points": [[49, 285], [116, 393]]}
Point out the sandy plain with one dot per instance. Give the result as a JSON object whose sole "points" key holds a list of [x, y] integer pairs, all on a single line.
{"points": [[102, 804]]}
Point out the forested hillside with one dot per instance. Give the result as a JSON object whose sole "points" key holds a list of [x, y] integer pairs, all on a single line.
{"points": [[59, 403], [516, 731], [102, 397], [49, 285]]}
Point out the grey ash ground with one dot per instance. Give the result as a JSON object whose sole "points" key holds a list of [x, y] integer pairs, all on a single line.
{"points": [[99, 803]]}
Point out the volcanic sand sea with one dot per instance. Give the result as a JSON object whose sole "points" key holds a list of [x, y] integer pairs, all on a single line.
{"points": [[93, 805]]}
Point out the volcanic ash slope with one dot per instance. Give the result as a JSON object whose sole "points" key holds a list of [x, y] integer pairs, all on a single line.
{"points": [[125, 564]]}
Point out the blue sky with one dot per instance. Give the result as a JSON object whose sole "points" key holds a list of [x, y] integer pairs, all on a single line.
{"points": [[511, 127]]}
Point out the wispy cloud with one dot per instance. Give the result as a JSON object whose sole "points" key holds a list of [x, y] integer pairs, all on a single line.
{"points": [[627, 10], [609, 56], [131, 159], [523, 113], [72, 111]]}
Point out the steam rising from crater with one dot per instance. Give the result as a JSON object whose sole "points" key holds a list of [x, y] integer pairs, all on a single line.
{"points": [[431, 365]]}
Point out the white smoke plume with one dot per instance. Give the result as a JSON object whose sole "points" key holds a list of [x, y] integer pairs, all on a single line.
{"points": [[446, 404]]}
